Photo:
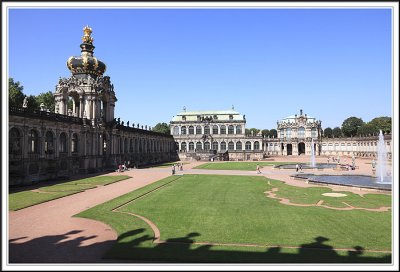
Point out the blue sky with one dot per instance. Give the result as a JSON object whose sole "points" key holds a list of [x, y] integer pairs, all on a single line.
{"points": [[268, 63]]}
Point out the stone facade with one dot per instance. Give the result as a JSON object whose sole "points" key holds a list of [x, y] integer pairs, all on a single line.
{"points": [[208, 134], [82, 136]]}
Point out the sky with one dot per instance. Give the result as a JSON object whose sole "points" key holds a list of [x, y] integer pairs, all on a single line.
{"points": [[267, 63]]}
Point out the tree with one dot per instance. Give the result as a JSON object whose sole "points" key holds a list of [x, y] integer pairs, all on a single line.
{"points": [[328, 132], [254, 131], [337, 132], [47, 99], [15, 94], [247, 132], [265, 132], [162, 128], [351, 125], [366, 129], [32, 103], [383, 123], [273, 133]]}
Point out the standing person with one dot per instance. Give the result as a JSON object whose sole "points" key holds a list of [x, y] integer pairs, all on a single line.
{"points": [[173, 169], [297, 168], [258, 169], [301, 167]]}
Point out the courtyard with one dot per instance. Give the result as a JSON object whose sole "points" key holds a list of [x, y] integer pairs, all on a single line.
{"points": [[209, 216]]}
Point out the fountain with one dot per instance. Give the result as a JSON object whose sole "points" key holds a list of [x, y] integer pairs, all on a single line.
{"points": [[382, 174], [312, 154]]}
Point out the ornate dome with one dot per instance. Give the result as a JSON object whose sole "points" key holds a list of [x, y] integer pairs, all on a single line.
{"points": [[86, 63]]}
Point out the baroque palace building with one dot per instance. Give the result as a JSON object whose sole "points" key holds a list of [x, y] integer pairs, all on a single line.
{"points": [[82, 135], [214, 135]]}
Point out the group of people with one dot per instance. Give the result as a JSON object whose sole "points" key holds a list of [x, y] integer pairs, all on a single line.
{"points": [[123, 166], [299, 167], [177, 165]]}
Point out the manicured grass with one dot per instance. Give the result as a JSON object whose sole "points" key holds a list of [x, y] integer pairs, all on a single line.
{"points": [[314, 194], [169, 164], [234, 209], [25, 199], [248, 166]]}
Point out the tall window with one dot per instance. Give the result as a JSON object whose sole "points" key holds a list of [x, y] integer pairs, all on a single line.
{"points": [[33, 141], [223, 146], [191, 146], [256, 146], [183, 130], [238, 129], [183, 147], [215, 145], [231, 146], [191, 130], [301, 132], [207, 146], [198, 146], [239, 146], [63, 142], [223, 129], [281, 133], [176, 130], [198, 130], [207, 130], [313, 132], [215, 129], [15, 141], [74, 143], [248, 146], [49, 143], [231, 129], [289, 133]]}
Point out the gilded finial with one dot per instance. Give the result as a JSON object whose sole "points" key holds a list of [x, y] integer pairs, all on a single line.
{"points": [[86, 35]]}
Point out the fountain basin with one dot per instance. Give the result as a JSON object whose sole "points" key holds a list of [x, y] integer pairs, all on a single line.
{"points": [[361, 181], [307, 166]]}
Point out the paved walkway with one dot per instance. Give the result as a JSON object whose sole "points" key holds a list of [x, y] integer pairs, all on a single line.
{"points": [[47, 233]]}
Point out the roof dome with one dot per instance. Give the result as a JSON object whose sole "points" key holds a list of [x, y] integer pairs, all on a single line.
{"points": [[86, 63]]}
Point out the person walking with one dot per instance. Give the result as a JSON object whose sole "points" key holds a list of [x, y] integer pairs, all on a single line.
{"points": [[173, 169], [301, 167], [181, 166], [258, 169], [297, 168]]}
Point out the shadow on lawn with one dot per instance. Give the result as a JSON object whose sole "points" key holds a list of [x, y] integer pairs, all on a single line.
{"points": [[135, 247], [184, 250]]}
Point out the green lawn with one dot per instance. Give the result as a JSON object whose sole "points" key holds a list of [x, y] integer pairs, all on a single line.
{"points": [[20, 200], [249, 166], [169, 164], [235, 210]]}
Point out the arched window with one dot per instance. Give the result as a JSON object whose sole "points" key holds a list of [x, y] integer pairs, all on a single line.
{"points": [[33, 141], [238, 129], [215, 129], [248, 146], [74, 143], [183, 130], [231, 146], [215, 145], [15, 141], [231, 129], [191, 130], [176, 130], [289, 133], [191, 146], [207, 146], [63, 142], [207, 130], [313, 132], [256, 146], [49, 143], [183, 147], [223, 146], [223, 129], [301, 132], [281, 133], [239, 146], [198, 146], [198, 130]]}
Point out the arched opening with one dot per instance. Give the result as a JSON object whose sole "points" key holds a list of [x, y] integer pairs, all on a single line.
{"points": [[198, 130], [231, 146], [256, 145], [301, 148], [248, 146], [183, 147], [207, 130], [238, 129], [63, 143], [191, 146], [198, 146], [289, 149], [239, 146], [215, 146], [15, 142], [206, 146], [223, 146], [215, 129], [231, 129], [74, 143]]}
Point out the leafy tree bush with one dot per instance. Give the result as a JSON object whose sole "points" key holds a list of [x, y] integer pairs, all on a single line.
{"points": [[162, 128], [351, 125]]}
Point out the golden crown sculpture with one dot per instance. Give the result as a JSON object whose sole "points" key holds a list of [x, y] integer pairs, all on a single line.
{"points": [[86, 35]]}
